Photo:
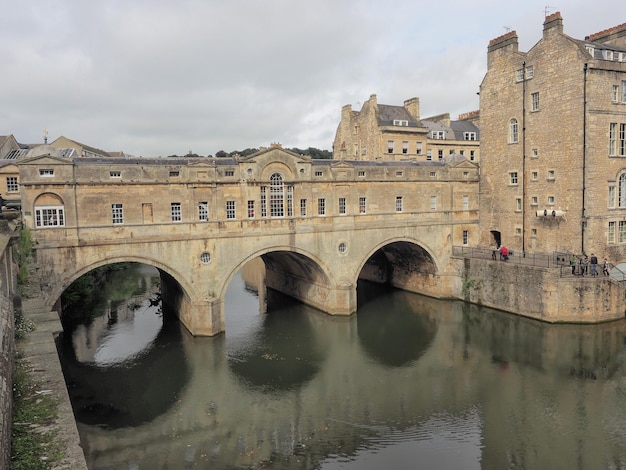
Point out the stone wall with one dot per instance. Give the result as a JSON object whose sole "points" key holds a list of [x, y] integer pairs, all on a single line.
{"points": [[7, 349], [542, 293]]}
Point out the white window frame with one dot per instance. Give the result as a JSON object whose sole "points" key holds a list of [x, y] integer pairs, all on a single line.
{"points": [[203, 211], [610, 236], [362, 205], [469, 135], [231, 210], [49, 216], [117, 214], [115, 174], [303, 207], [513, 131], [250, 208], [433, 203], [46, 172], [176, 212], [611, 201], [12, 185], [465, 237], [513, 178], [399, 204], [534, 98], [321, 206], [277, 195], [465, 202], [342, 206], [390, 146]]}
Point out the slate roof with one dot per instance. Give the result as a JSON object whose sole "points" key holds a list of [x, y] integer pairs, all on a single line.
{"points": [[388, 113]]}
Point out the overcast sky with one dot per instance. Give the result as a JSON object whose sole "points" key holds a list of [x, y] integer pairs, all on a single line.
{"points": [[162, 77]]}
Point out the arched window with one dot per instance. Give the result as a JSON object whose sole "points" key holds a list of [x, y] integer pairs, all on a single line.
{"points": [[513, 131], [49, 211], [621, 196], [277, 196]]}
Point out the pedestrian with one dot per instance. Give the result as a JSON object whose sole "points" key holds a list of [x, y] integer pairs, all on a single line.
{"points": [[594, 265], [605, 267], [504, 251], [581, 266], [572, 263]]}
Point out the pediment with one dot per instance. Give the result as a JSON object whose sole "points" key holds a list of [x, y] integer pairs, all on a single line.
{"points": [[45, 160]]}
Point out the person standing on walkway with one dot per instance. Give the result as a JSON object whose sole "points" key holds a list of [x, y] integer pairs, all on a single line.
{"points": [[572, 263], [605, 267], [594, 265]]}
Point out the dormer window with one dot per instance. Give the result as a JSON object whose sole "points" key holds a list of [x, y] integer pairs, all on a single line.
{"points": [[469, 135], [440, 135], [400, 122], [115, 174], [47, 172], [229, 173]]}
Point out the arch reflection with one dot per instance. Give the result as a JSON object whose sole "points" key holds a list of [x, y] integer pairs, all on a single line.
{"points": [[394, 340]]}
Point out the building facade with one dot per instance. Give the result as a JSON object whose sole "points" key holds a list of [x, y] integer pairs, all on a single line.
{"points": [[553, 143]]}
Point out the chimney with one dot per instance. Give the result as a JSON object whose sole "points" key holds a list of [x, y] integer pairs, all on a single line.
{"points": [[412, 105], [553, 25]]}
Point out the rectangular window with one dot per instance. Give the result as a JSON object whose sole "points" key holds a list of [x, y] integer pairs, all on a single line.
{"points": [[361, 174], [622, 140], [433, 203], [250, 209], [175, 212], [465, 237], [611, 233], [399, 173], [518, 204], [47, 172], [303, 207], [519, 75], [513, 177], [534, 175], [342, 205], [612, 138], [534, 101], [615, 96], [533, 232], [469, 135], [174, 174], [534, 201], [229, 173], [361, 205], [290, 201], [462, 152], [50, 216], [263, 201], [530, 72], [535, 153], [611, 197], [623, 91], [356, 150], [550, 200], [405, 146], [318, 173], [472, 155], [418, 148], [440, 154], [429, 155], [621, 235], [115, 174], [117, 214], [203, 211], [398, 203], [551, 174], [432, 174], [230, 210], [400, 122], [321, 206], [12, 185], [465, 202], [390, 146]]}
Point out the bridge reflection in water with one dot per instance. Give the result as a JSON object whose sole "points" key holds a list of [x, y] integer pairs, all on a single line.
{"points": [[409, 382]]}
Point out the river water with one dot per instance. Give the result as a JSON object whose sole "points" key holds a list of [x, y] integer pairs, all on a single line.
{"points": [[407, 383]]}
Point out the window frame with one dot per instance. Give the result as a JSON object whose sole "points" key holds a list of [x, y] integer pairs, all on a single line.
{"points": [[117, 213], [176, 212]]}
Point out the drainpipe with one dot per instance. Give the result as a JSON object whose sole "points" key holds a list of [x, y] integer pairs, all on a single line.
{"points": [[583, 216], [524, 159]]}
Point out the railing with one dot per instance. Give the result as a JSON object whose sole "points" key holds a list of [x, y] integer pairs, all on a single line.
{"points": [[554, 260], [544, 260]]}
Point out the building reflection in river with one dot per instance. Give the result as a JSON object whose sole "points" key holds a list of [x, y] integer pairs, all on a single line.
{"points": [[408, 382]]}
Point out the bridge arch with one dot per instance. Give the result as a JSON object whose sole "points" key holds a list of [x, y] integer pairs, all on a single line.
{"points": [[402, 262], [286, 259], [57, 290]]}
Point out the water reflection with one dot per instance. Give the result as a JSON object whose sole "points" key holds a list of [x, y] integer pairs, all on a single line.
{"points": [[409, 382]]}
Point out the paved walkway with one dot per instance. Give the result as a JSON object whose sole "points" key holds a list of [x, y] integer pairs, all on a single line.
{"points": [[38, 349]]}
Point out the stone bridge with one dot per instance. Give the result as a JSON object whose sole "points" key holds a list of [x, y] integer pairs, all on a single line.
{"points": [[318, 225]]}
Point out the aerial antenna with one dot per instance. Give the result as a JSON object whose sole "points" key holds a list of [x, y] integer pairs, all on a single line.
{"points": [[546, 10], [507, 28], [45, 135]]}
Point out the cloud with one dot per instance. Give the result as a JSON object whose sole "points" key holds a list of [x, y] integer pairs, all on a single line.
{"points": [[160, 77]]}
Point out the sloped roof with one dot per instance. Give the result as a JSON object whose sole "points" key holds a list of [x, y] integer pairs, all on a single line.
{"points": [[388, 113], [460, 127]]}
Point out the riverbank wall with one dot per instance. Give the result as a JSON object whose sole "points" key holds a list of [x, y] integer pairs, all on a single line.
{"points": [[8, 284], [548, 294]]}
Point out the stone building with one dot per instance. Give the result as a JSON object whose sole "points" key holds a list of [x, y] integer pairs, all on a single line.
{"points": [[447, 137], [396, 133], [553, 125]]}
